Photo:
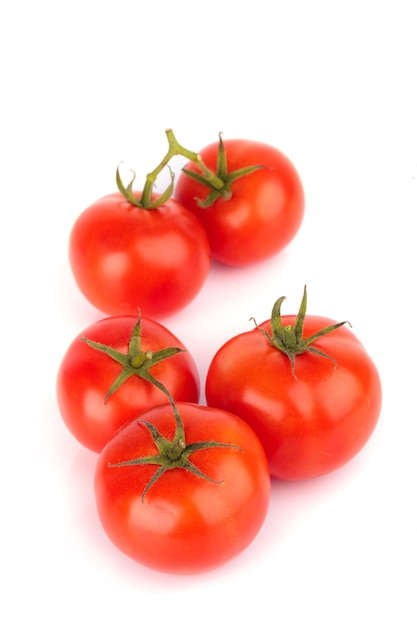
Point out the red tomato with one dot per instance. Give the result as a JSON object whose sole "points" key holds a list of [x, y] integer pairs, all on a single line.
{"points": [[125, 257], [311, 420], [86, 375], [186, 522], [265, 209]]}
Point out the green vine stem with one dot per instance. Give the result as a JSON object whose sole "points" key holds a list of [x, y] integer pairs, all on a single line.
{"points": [[174, 149], [219, 183], [223, 174]]}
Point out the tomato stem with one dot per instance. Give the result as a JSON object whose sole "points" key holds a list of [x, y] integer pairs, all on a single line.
{"points": [[145, 201], [173, 454], [218, 182], [179, 150], [176, 149], [135, 362], [228, 178], [289, 339]]}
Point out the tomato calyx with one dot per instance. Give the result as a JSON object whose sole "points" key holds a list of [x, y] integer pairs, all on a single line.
{"points": [[289, 339], [228, 178], [145, 200], [218, 182], [136, 362], [172, 454]]}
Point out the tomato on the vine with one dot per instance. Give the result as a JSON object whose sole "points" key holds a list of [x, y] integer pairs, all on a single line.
{"points": [[307, 387], [117, 369], [183, 495], [254, 205], [126, 257]]}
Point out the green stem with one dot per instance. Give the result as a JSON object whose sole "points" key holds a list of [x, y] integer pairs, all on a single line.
{"points": [[178, 442], [173, 454], [215, 181], [219, 182], [176, 149], [136, 362], [289, 339]]}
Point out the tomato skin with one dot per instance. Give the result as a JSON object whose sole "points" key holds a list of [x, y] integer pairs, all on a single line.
{"points": [[85, 375], [266, 209], [124, 257], [185, 524], [309, 425]]}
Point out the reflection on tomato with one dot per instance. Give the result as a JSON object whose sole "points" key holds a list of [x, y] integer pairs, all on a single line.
{"points": [[125, 257]]}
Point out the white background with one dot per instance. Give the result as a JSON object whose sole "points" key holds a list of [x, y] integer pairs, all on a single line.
{"points": [[86, 85]]}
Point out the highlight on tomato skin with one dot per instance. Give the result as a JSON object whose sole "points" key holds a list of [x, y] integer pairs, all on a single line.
{"points": [[313, 409], [186, 522], [92, 404], [125, 257], [258, 214]]}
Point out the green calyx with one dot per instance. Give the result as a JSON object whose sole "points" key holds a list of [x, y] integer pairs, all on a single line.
{"points": [[228, 178], [289, 339], [218, 182], [145, 201], [135, 362], [172, 454]]}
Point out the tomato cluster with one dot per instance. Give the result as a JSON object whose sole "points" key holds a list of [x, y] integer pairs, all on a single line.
{"points": [[183, 487]]}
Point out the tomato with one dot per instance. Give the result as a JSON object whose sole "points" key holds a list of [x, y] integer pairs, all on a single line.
{"points": [[314, 411], [96, 398], [258, 214], [186, 516], [125, 257]]}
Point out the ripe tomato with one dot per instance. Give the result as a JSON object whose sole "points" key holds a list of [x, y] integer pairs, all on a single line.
{"points": [[197, 514], [260, 212], [311, 417], [124, 257], [92, 407]]}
